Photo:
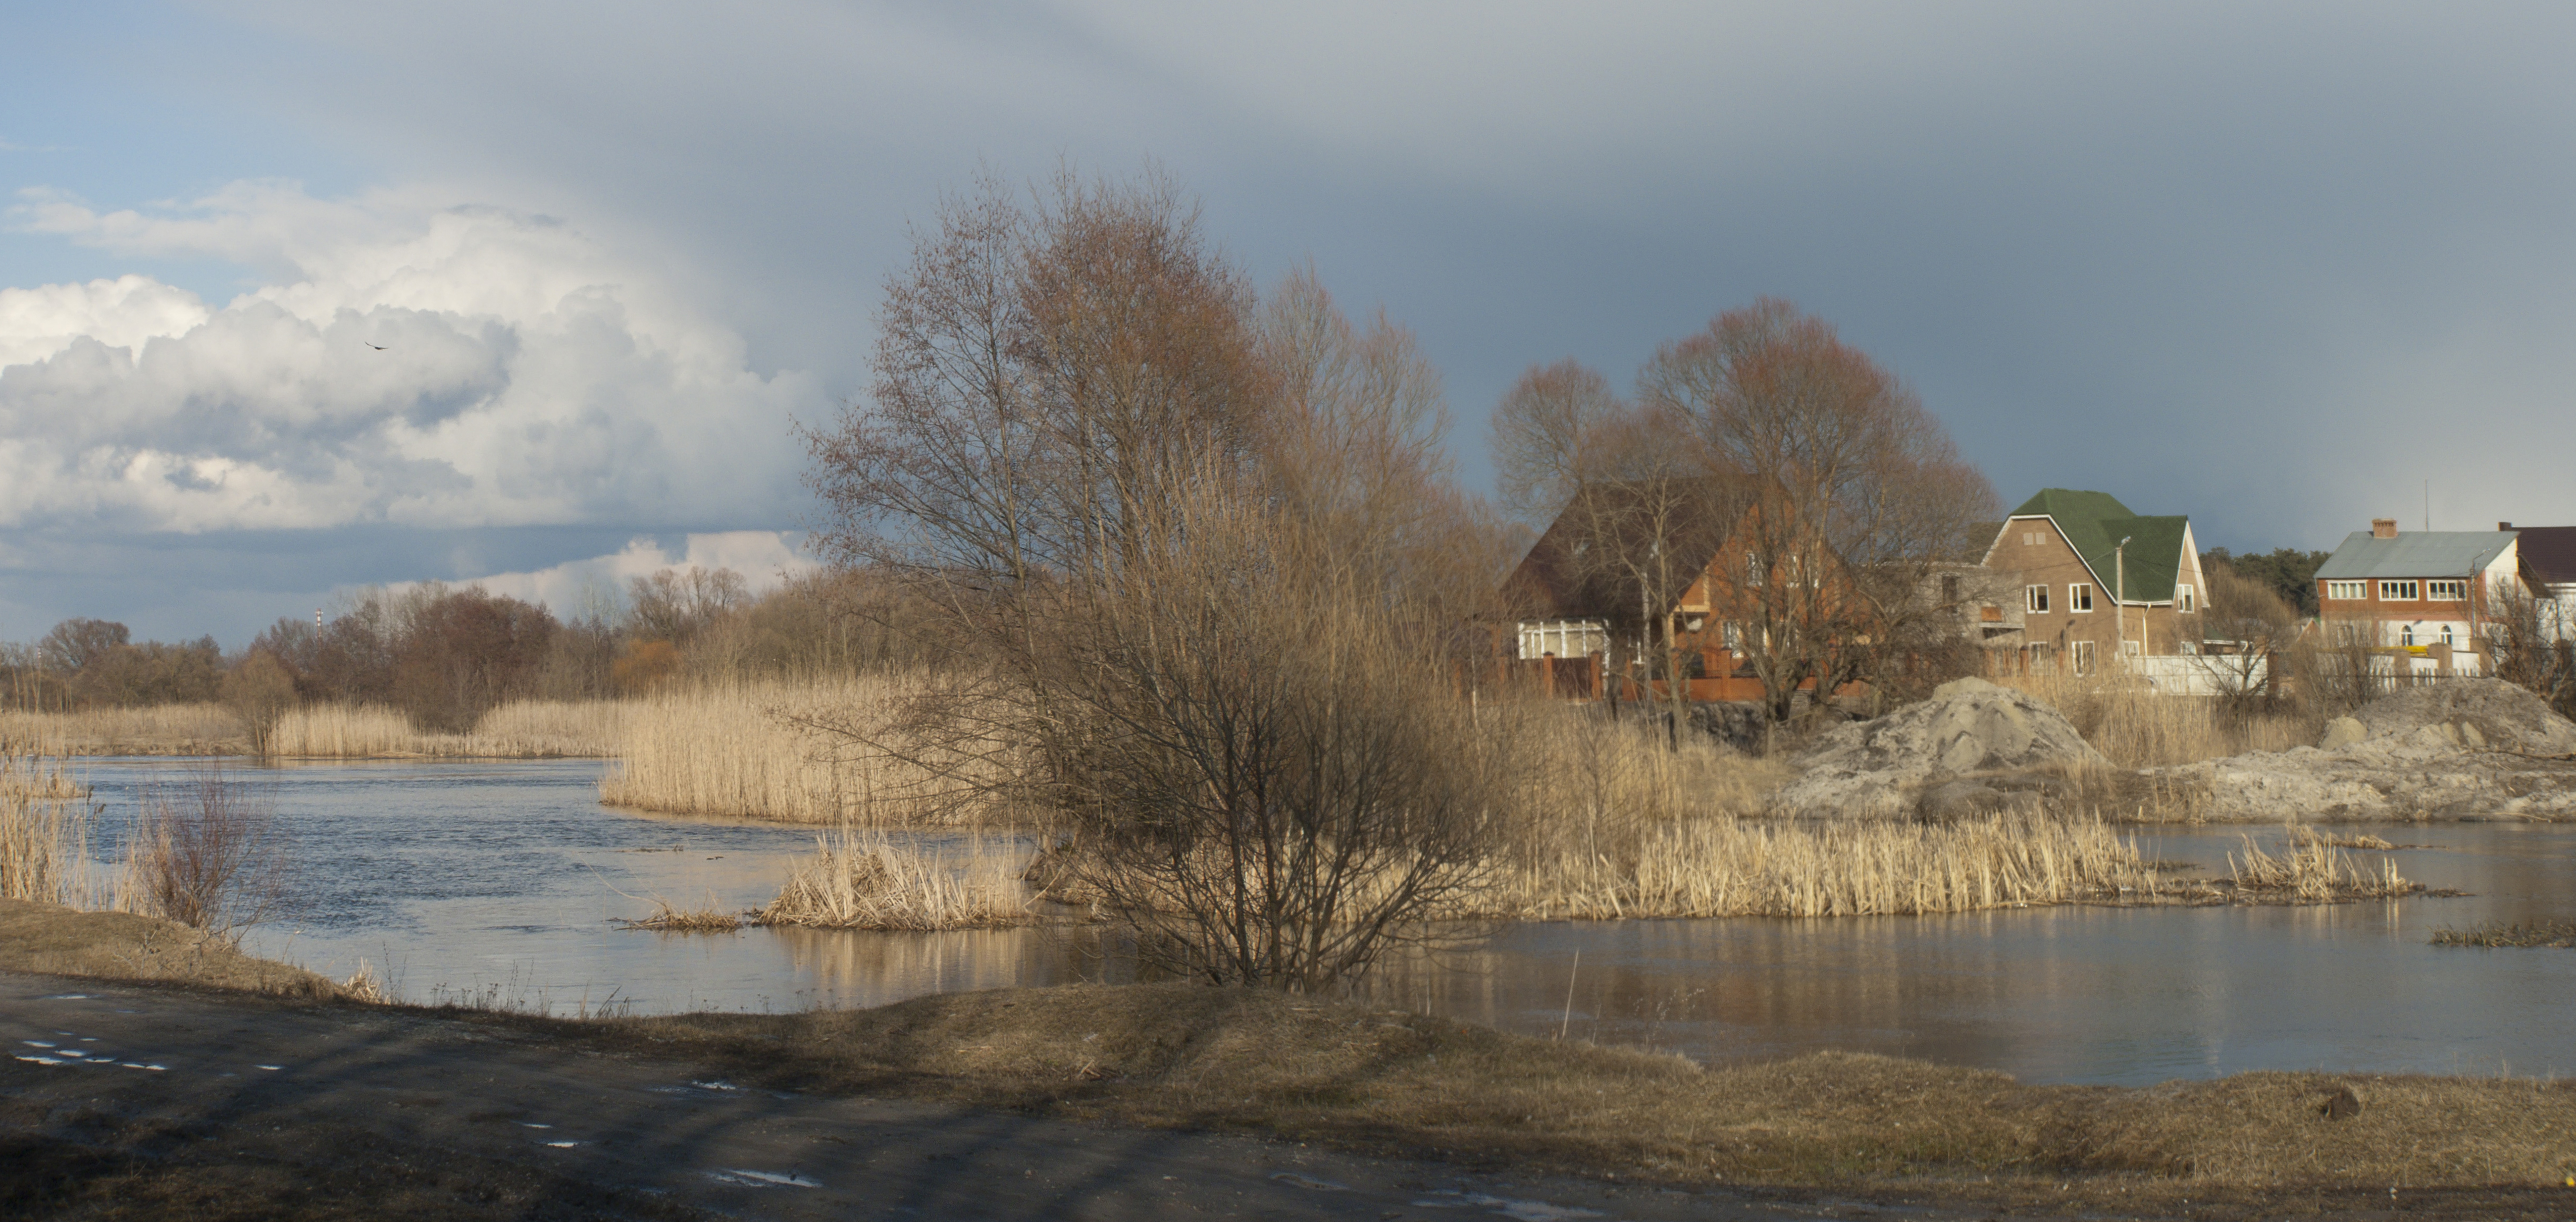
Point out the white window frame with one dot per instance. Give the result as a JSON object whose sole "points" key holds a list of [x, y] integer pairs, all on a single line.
{"points": [[1752, 569], [1557, 637], [2400, 591], [2079, 598], [2083, 654], [2406, 635], [2043, 658], [2453, 590], [2348, 591], [2446, 637], [2185, 601], [2035, 599]]}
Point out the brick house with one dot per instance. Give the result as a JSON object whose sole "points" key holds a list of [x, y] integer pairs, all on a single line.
{"points": [[2425, 593], [2096, 582], [1625, 568]]}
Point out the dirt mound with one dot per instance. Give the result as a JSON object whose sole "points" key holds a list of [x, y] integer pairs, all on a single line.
{"points": [[2464, 749], [1955, 754]]}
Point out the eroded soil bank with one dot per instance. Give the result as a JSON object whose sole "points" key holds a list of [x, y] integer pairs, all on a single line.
{"points": [[1079, 1101]]}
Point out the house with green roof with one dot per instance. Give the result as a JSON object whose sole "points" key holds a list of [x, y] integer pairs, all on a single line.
{"points": [[2099, 582]]}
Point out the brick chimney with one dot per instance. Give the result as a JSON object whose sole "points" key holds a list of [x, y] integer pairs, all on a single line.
{"points": [[2383, 528], [2504, 526]]}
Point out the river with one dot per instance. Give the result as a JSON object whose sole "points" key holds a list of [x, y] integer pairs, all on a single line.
{"points": [[498, 882]]}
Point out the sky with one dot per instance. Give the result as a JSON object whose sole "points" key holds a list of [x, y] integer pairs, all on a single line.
{"points": [[2281, 268]]}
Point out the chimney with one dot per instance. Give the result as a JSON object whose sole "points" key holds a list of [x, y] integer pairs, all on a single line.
{"points": [[2504, 526], [2383, 528]]}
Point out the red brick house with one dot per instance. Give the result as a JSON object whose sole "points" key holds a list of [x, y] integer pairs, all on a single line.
{"points": [[2425, 593]]}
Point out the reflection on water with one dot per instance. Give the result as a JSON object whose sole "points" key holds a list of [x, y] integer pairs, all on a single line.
{"points": [[465, 878]]}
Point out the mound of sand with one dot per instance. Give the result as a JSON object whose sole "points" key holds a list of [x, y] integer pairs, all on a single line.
{"points": [[1972, 748], [2465, 749]]}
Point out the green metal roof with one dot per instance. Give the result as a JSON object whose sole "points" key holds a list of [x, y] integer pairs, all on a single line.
{"points": [[2095, 522]]}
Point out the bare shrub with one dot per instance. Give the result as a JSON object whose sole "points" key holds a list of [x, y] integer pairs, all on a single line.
{"points": [[209, 856], [259, 690]]}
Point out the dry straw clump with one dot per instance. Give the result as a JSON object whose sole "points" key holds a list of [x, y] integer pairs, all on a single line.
{"points": [[2543, 932], [44, 831], [2313, 871], [819, 751], [860, 879], [708, 917]]}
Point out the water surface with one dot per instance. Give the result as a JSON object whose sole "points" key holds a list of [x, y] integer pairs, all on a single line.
{"points": [[500, 880]]}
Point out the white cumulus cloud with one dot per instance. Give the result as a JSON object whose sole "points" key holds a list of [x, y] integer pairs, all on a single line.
{"points": [[765, 558], [404, 363]]}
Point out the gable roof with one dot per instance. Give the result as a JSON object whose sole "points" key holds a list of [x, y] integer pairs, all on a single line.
{"points": [[2423, 553], [2550, 551], [1557, 581], [2095, 522]]}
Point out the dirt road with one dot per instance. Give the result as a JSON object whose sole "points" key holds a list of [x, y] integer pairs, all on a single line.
{"points": [[161, 1100]]}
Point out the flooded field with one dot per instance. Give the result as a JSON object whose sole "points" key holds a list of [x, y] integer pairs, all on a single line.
{"points": [[501, 881]]}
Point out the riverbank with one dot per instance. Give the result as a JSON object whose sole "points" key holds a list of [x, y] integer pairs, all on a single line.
{"points": [[1405, 1099]]}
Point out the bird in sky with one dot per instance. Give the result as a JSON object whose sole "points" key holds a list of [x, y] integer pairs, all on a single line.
{"points": [[377, 347]]}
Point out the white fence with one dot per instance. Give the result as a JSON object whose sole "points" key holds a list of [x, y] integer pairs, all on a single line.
{"points": [[2198, 675]]}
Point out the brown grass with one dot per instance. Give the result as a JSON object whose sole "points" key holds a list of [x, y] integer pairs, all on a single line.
{"points": [[1727, 867], [861, 880], [754, 750], [1396, 1083], [2312, 871], [526, 729], [2542, 932], [44, 831], [167, 729], [667, 918], [44, 937], [2138, 728]]}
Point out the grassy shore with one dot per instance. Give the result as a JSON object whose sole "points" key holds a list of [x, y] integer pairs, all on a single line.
{"points": [[1396, 1083]]}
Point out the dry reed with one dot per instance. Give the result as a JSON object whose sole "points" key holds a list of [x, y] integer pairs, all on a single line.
{"points": [[1727, 867], [44, 832], [667, 918], [2313, 871], [526, 729], [165, 729], [2543, 932], [862, 880], [2138, 727], [760, 750]]}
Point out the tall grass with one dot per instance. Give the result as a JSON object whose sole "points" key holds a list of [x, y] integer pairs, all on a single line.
{"points": [[525, 729], [2137, 727], [858, 879], [163, 729], [820, 751], [44, 832]]}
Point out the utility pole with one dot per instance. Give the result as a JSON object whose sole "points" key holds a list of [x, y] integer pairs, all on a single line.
{"points": [[2120, 595]]}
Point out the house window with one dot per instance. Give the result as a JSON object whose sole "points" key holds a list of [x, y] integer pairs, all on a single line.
{"points": [[1735, 636], [2446, 591], [2354, 590], [1752, 569], [1564, 638], [1949, 591], [2042, 660], [2399, 591], [2079, 598], [2083, 651], [2185, 601], [2446, 634], [2035, 598]]}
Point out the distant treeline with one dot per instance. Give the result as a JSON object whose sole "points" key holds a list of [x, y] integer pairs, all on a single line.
{"points": [[444, 655]]}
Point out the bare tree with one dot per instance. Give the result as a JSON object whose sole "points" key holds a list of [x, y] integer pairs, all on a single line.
{"points": [[1548, 437], [1855, 490], [1188, 540], [2530, 645], [2245, 626]]}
